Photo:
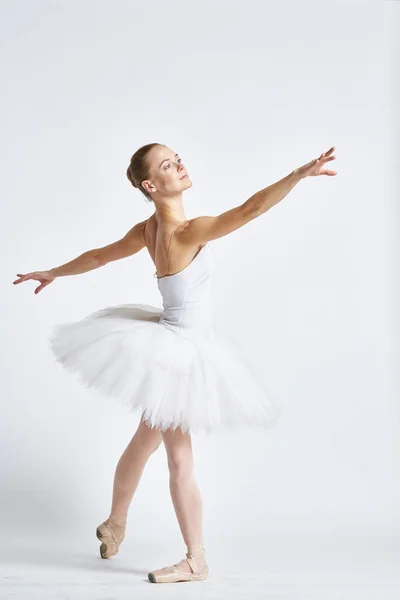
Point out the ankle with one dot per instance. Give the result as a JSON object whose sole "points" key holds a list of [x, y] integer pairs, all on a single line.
{"points": [[196, 550], [119, 521], [197, 553]]}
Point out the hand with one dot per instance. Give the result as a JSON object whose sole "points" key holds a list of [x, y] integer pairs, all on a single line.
{"points": [[316, 166], [45, 277]]}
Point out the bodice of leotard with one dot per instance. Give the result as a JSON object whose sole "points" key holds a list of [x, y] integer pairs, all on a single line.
{"points": [[186, 295]]}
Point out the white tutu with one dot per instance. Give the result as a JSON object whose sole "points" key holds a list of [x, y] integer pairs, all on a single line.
{"points": [[168, 364]]}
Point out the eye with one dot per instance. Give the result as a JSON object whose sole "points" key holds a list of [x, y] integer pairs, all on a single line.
{"points": [[169, 164]]}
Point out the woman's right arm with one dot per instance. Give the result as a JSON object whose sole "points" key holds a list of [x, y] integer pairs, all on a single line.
{"points": [[203, 229], [130, 244], [83, 263]]}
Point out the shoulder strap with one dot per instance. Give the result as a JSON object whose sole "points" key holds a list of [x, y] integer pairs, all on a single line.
{"points": [[169, 245], [142, 230]]}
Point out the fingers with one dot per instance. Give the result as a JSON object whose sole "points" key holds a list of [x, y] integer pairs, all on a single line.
{"points": [[325, 158], [22, 277], [328, 151], [325, 155], [26, 277], [39, 289]]}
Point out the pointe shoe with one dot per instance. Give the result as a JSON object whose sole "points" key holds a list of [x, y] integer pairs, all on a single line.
{"points": [[111, 534], [172, 574]]}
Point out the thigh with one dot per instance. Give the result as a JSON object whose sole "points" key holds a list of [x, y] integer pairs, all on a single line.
{"points": [[178, 446], [147, 437]]}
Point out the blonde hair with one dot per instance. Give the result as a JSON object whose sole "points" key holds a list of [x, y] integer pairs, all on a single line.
{"points": [[139, 169]]}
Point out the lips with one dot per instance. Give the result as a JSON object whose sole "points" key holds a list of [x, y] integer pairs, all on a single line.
{"points": [[183, 177]]}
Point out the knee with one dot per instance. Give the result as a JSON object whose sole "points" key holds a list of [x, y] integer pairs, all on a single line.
{"points": [[151, 445], [156, 445], [147, 439], [146, 444], [180, 466]]}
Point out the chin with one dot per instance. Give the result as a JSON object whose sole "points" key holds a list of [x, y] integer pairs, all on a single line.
{"points": [[187, 183]]}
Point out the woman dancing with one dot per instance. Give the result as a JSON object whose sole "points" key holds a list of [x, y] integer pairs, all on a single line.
{"points": [[170, 363]]}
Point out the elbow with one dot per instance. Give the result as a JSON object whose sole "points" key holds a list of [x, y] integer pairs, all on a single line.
{"points": [[98, 258], [253, 208]]}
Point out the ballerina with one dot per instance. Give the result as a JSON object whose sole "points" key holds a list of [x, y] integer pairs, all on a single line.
{"points": [[170, 364]]}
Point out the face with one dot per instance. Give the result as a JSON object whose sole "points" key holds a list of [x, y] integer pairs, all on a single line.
{"points": [[168, 174]]}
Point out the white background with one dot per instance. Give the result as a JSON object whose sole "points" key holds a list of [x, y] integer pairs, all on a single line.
{"points": [[245, 92]]}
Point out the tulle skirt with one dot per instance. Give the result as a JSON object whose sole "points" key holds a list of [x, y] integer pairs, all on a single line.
{"points": [[172, 380]]}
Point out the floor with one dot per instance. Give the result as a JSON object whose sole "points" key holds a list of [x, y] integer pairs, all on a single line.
{"points": [[309, 569]]}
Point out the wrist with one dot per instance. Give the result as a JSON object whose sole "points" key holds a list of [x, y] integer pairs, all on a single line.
{"points": [[296, 174]]}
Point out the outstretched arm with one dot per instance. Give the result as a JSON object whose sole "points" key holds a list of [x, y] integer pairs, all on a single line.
{"points": [[203, 229], [130, 244]]}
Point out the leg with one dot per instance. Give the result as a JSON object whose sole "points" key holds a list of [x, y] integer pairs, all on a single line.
{"points": [[130, 468], [185, 494], [188, 508], [127, 476]]}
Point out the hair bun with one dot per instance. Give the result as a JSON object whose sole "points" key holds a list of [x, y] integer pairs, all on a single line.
{"points": [[129, 176]]}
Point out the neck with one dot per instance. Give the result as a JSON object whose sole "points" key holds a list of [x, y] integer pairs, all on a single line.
{"points": [[172, 212]]}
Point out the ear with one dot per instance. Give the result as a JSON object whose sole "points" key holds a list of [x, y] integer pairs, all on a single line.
{"points": [[149, 187]]}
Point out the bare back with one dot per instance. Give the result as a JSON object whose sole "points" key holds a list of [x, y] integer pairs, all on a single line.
{"points": [[168, 253]]}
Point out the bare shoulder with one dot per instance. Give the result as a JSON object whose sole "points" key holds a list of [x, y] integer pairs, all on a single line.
{"points": [[131, 243], [136, 235], [205, 228]]}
